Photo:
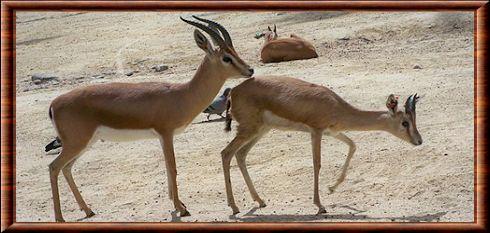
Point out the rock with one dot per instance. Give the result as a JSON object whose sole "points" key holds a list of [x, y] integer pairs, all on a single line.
{"points": [[98, 77], [417, 67], [129, 73], [159, 68], [42, 78], [345, 38]]}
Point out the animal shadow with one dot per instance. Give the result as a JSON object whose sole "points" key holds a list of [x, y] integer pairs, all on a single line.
{"points": [[356, 216], [210, 121]]}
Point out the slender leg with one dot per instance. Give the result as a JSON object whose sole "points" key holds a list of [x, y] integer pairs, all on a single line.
{"points": [[67, 154], [316, 142], [227, 154], [352, 148], [241, 156], [168, 151], [69, 178], [169, 181]]}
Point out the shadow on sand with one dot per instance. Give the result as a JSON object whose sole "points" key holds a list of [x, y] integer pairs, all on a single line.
{"points": [[252, 217], [210, 121]]}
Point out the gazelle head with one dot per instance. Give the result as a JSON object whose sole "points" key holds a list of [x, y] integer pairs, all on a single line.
{"points": [[403, 123], [224, 56], [268, 34]]}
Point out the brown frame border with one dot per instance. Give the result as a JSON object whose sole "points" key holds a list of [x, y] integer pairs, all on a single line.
{"points": [[8, 120]]}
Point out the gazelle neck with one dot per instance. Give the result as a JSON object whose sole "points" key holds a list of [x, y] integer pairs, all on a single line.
{"points": [[205, 85], [359, 120]]}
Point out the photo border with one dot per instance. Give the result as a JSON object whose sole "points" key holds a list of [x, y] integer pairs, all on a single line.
{"points": [[8, 118]]}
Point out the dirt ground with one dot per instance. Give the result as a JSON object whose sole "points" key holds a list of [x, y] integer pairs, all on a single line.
{"points": [[363, 57]]}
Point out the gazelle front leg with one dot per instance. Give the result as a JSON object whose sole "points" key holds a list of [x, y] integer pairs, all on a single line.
{"points": [[316, 142], [168, 151], [352, 148]]}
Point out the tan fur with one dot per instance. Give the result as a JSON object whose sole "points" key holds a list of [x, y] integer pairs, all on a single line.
{"points": [[158, 107], [286, 49], [262, 103]]}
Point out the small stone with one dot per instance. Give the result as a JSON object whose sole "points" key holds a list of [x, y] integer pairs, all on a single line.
{"points": [[42, 78], [417, 67], [159, 68], [129, 73], [98, 76]]}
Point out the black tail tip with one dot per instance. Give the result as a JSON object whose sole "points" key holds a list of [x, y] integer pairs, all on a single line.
{"points": [[228, 123], [52, 145], [227, 128]]}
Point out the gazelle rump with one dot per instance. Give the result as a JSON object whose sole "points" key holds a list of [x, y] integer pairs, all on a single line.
{"points": [[130, 111], [262, 103], [284, 49]]}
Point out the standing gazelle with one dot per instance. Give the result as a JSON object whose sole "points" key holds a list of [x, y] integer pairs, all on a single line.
{"points": [[262, 103], [131, 111]]}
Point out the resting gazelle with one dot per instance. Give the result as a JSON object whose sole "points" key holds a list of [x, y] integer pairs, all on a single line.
{"points": [[262, 103], [131, 111], [284, 49]]}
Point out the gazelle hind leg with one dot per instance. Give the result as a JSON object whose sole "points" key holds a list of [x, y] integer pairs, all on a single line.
{"points": [[241, 156], [78, 197], [64, 158], [316, 140], [243, 137], [352, 148]]}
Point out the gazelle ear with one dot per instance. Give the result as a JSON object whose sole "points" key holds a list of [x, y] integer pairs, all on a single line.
{"points": [[392, 104], [269, 28], [202, 42], [275, 29]]}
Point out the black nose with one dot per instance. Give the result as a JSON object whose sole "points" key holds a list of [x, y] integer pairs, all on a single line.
{"points": [[420, 142], [251, 71]]}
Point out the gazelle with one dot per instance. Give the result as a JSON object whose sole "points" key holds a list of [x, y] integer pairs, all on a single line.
{"points": [[262, 103], [132, 111], [284, 49]]}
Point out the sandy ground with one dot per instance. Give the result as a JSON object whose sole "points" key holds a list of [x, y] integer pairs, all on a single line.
{"points": [[364, 57]]}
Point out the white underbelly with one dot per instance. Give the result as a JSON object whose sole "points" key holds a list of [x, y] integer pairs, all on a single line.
{"points": [[281, 123], [124, 135]]}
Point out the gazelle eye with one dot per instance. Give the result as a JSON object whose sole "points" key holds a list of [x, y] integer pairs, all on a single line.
{"points": [[405, 124], [227, 59]]}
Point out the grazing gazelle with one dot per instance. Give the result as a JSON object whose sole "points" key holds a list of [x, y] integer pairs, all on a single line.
{"points": [[262, 103], [284, 49], [131, 111]]}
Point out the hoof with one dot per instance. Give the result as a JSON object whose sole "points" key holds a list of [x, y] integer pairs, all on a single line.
{"points": [[331, 189], [60, 220], [90, 214], [262, 205], [184, 213], [235, 209], [321, 211]]}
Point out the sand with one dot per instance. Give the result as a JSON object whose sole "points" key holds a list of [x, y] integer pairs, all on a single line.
{"points": [[363, 57]]}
